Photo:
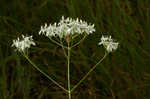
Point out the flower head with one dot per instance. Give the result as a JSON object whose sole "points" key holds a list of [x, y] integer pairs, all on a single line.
{"points": [[23, 44], [67, 27], [108, 43]]}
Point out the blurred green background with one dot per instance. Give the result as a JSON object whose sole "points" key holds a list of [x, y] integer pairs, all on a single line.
{"points": [[124, 74]]}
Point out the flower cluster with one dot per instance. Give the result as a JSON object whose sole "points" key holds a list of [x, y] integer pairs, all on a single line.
{"points": [[108, 43], [67, 27], [63, 29], [23, 44]]}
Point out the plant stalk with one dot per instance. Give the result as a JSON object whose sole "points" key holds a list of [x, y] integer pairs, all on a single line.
{"points": [[44, 73], [68, 59], [89, 72]]}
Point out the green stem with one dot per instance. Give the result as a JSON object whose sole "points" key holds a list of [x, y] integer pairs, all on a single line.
{"points": [[79, 41], [88, 73], [45, 74], [75, 36], [68, 59], [57, 42], [63, 47]]}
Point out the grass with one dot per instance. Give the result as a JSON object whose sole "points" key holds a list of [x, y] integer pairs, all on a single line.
{"points": [[125, 74]]}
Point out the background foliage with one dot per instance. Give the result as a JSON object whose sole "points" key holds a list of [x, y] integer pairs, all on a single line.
{"points": [[124, 74]]}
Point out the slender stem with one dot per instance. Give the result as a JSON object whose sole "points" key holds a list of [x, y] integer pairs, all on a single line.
{"points": [[88, 73], [63, 47], [79, 41], [68, 59], [56, 42], [45, 73], [75, 36]]}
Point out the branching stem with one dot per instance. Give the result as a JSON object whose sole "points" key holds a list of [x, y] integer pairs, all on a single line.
{"points": [[37, 68], [88, 73]]}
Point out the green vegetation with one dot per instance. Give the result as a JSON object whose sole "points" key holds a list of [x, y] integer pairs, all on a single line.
{"points": [[124, 74]]}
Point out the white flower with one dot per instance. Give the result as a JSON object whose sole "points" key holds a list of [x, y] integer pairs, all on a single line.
{"points": [[48, 30], [108, 43], [23, 44], [67, 27]]}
